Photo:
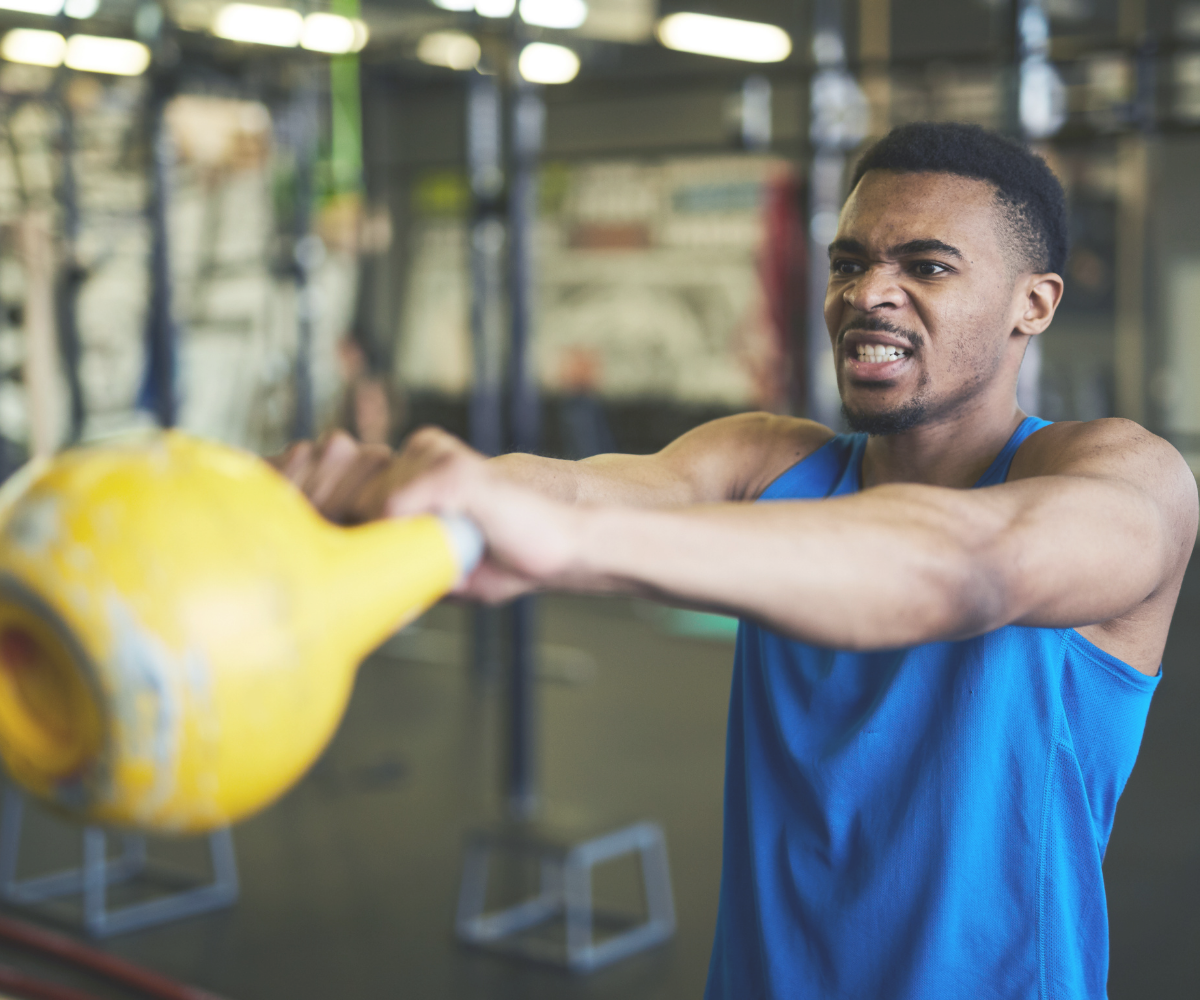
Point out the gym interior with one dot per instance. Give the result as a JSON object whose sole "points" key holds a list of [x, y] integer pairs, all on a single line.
{"points": [[567, 227]]}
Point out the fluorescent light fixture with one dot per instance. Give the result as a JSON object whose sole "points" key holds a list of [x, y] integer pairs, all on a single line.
{"points": [[540, 62], [725, 37], [33, 47], [455, 4], [452, 49], [554, 13], [118, 56], [81, 9], [247, 22], [333, 33], [49, 8], [495, 8]]}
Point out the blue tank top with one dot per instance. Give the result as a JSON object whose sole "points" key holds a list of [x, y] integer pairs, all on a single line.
{"points": [[924, 823]]}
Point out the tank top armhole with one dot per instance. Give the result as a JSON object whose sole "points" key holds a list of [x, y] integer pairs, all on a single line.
{"points": [[816, 474], [997, 472], [1105, 660]]}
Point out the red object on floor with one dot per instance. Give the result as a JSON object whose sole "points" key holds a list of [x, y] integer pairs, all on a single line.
{"points": [[101, 963], [29, 988]]}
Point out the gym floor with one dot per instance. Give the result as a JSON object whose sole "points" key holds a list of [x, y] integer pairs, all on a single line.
{"points": [[349, 883]]}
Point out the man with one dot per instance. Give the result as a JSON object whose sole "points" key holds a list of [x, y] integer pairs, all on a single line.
{"points": [[944, 666]]}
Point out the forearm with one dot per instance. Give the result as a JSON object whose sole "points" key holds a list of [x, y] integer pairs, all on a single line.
{"points": [[837, 573], [620, 480], [552, 477], [889, 567]]}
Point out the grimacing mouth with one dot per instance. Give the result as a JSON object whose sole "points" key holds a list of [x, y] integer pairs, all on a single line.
{"points": [[877, 353], [876, 345]]}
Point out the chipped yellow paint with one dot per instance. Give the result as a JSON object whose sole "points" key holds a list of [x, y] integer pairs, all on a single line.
{"points": [[179, 630]]}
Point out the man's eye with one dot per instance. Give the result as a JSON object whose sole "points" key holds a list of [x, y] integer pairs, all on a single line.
{"points": [[845, 267], [929, 268]]}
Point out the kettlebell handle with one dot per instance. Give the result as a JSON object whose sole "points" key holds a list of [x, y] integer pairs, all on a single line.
{"points": [[466, 541]]}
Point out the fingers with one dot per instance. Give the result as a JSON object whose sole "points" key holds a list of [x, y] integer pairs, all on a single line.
{"points": [[349, 481], [331, 471], [332, 455], [294, 461], [341, 500], [434, 472]]}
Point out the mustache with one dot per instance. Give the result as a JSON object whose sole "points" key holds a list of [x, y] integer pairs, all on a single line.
{"points": [[876, 324]]}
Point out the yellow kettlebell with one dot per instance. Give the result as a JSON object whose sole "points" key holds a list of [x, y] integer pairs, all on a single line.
{"points": [[179, 629]]}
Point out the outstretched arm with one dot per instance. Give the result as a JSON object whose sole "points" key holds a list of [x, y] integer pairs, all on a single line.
{"points": [[1096, 523], [733, 458]]}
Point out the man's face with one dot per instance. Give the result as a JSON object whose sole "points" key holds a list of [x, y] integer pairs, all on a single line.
{"points": [[920, 299]]}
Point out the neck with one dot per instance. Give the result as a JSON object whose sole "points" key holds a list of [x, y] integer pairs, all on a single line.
{"points": [[954, 451]]}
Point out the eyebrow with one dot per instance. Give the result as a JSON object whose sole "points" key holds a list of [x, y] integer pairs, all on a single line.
{"points": [[900, 249], [925, 246], [847, 246]]}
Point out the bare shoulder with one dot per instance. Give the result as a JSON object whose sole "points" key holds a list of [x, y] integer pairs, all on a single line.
{"points": [[1150, 472], [737, 457], [1111, 448]]}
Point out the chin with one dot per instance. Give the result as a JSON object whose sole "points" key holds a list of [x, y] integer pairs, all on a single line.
{"points": [[888, 420]]}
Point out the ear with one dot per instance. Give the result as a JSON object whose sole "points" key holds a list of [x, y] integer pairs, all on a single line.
{"points": [[1038, 296]]}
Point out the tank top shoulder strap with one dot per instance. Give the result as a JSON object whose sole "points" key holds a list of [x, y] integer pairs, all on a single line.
{"points": [[831, 470], [997, 472], [835, 468]]}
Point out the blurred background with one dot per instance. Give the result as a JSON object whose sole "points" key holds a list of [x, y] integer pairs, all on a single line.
{"points": [[316, 210], [567, 226]]}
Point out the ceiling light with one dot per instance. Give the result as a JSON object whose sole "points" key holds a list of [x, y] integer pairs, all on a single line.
{"points": [[246, 22], [333, 33], [119, 56], [36, 48], [455, 4], [81, 9], [725, 37], [50, 8], [452, 49], [554, 13], [543, 63], [495, 8]]}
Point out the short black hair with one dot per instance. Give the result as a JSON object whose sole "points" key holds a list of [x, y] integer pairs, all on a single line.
{"points": [[1033, 201]]}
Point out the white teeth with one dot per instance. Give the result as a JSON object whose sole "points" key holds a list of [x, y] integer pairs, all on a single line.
{"points": [[879, 352]]}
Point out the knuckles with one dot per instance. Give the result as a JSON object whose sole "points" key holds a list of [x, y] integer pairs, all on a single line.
{"points": [[349, 480]]}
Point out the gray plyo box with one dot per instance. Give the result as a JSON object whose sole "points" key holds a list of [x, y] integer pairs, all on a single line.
{"points": [[566, 864]]}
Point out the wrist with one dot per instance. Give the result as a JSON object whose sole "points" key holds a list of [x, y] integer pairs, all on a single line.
{"points": [[598, 537]]}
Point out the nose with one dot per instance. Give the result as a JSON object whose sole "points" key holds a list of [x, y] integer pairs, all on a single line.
{"points": [[875, 288]]}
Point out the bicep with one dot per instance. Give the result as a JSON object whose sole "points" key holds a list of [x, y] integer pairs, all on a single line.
{"points": [[1076, 551], [1109, 520], [730, 458]]}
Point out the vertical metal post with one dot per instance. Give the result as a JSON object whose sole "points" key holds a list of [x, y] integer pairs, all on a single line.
{"points": [[485, 171], [159, 392], [71, 274], [522, 748], [528, 123], [1036, 110], [1133, 175], [824, 201], [487, 237], [307, 253], [1031, 34], [838, 121]]}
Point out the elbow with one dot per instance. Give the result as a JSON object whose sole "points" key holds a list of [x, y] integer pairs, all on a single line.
{"points": [[975, 589], [950, 594]]}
